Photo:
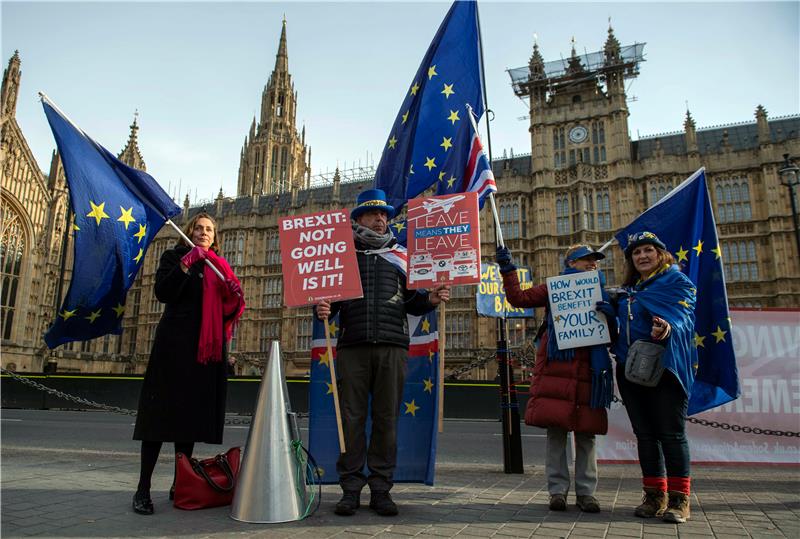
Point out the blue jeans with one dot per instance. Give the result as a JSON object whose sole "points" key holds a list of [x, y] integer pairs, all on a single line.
{"points": [[658, 418]]}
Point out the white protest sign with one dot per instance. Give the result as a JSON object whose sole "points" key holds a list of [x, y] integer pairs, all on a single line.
{"points": [[572, 304]]}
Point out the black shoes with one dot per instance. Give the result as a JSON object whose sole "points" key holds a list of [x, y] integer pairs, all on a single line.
{"points": [[588, 504], [558, 502], [142, 503], [350, 502], [172, 492], [381, 503]]}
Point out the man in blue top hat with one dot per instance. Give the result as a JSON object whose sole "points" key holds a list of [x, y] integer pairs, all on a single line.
{"points": [[371, 354]]}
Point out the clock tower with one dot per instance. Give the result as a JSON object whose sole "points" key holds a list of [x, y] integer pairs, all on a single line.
{"points": [[580, 146]]}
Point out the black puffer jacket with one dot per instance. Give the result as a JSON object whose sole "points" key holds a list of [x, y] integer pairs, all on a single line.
{"points": [[380, 316]]}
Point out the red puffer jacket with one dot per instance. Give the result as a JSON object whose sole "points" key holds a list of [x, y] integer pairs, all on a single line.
{"points": [[561, 390]]}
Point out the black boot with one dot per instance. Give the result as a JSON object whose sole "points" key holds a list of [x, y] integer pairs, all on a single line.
{"points": [[351, 500], [381, 503], [142, 503]]}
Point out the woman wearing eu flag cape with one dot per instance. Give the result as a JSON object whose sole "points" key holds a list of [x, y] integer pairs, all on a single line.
{"points": [[184, 389], [657, 306], [570, 389]]}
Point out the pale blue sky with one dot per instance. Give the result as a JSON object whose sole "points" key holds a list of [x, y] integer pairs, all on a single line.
{"points": [[195, 71]]}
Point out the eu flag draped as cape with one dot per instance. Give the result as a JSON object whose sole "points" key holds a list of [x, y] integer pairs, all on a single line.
{"points": [[118, 211], [684, 221], [423, 135], [418, 422]]}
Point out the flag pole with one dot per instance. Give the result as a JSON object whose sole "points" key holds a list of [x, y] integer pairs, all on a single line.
{"points": [[512, 441], [607, 244], [334, 388], [440, 382]]}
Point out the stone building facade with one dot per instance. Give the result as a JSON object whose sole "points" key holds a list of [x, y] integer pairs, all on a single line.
{"points": [[584, 179]]}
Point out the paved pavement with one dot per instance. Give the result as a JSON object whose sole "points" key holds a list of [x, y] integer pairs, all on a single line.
{"points": [[77, 493]]}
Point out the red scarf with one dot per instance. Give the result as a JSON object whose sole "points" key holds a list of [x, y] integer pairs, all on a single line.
{"points": [[221, 310]]}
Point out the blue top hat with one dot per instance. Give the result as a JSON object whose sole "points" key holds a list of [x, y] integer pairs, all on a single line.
{"points": [[371, 199], [583, 252], [642, 238]]}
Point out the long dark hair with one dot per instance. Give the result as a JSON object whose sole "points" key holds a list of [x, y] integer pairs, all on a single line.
{"points": [[630, 275], [190, 227]]}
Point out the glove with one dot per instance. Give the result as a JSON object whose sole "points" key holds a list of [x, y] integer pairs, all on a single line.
{"points": [[606, 308], [197, 254], [503, 257], [234, 288]]}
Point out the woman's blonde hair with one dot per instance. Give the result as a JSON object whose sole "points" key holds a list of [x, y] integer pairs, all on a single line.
{"points": [[190, 227], [630, 275]]}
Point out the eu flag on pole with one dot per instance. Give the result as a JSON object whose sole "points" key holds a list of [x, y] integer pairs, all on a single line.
{"points": [[118, 211], [684, 221], [469, 164], [418, 422], [434, 108]]}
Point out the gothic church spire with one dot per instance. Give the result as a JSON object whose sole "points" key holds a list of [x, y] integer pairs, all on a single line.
{"points": [[274, 157], [130, 155], [282, 57]]}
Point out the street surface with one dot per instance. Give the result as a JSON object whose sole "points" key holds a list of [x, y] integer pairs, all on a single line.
{"points": [[72, 475], [462, 442]]}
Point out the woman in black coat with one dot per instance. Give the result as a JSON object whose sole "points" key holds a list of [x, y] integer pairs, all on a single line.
{"points": [[183, 394]]}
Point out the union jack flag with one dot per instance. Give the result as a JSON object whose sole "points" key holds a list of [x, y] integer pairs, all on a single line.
{"points": [[477, 173]]}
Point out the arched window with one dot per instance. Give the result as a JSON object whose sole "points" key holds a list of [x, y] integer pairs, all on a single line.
{"points": [[274, 173], [304, 331], [562, 215], [284, 168], [740, 259], [12, 252], [733, 200]]}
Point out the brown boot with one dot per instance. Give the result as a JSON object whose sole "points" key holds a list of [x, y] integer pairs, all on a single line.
{"points": [[678, 508], [654, 502]]}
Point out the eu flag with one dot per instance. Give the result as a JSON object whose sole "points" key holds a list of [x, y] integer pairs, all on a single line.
{"points": [[434, 108], [684, 221], [118, 211], [418, 422]]}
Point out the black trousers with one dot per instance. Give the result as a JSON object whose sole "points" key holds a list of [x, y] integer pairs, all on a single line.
{"points": [[658, 418], [365, 371]]}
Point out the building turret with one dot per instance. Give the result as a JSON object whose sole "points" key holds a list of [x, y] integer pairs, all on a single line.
{"points": [[611, 48], [10, 89], [762, 126], [574, 65], [130, 154], [690, 133], [536, 63]]}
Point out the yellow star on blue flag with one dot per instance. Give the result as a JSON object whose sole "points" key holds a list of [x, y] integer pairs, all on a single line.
{"points": [[107, 255], [685, 217], [447, 80], [417, 424]]}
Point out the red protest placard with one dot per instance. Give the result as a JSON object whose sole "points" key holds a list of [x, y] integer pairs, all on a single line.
{"points": [[318, 257], [444, 243]]}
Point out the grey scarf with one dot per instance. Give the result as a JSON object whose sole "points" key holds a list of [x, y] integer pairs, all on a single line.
{"points": [[370, 238]]}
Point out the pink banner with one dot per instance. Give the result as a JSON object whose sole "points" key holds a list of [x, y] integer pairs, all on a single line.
{"points": [[767, 347]]}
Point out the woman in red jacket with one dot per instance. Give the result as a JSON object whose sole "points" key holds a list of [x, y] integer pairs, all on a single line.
{"points": [[570, 389]]}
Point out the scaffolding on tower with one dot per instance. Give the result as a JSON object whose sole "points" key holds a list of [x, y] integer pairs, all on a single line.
{"points": [[559, 73]]}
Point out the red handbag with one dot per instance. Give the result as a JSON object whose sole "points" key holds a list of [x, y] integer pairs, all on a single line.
{"points": [[200, 484]]}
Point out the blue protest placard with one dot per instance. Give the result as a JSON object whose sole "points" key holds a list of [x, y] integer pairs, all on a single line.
{"points": [[572, 303], [490, 298]]}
